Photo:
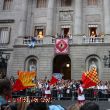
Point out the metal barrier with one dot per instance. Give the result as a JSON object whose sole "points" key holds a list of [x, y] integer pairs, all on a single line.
{"points": [[90, 94]]}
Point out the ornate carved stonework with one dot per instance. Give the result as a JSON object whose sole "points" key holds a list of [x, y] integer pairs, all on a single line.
{"points": [[93, 18], [66, 15]]}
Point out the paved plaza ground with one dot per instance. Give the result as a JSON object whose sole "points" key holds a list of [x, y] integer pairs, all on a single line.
{"points": [[104, 105]]}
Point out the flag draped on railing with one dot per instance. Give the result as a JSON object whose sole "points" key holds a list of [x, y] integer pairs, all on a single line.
{"points": [[90, 78], [25, 80]]}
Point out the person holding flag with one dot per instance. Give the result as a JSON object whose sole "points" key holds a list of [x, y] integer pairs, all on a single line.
{"points": [[90, 78], [55, 78], [80, 92]]}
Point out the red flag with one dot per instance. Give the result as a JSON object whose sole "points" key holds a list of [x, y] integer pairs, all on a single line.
{"points": [[53, 80], [90, 78], [18, 86]]}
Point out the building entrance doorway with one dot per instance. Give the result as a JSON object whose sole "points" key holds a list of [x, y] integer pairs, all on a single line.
{"points": [[62, 64]]}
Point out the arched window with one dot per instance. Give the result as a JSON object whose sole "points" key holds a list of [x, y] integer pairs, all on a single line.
{"points": [[93, 61], [31, 64]]}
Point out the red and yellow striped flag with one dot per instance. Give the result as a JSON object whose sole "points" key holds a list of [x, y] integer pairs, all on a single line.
{"points": [[90, 78], [24, 80]]}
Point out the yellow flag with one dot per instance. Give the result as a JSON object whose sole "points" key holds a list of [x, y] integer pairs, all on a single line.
{"points": [[26, 78]]}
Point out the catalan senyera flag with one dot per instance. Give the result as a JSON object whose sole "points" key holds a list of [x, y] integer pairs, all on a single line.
{"points": [[90, 78], [24, 80]]}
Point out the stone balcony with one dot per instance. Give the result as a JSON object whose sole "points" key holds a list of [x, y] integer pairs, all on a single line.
{"points": [[50, 40], [93, 40]]}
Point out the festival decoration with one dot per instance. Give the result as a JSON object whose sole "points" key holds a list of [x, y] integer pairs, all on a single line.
{"points": [[61, 46]]}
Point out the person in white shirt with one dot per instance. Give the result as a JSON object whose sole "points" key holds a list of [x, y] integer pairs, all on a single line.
{"points": [[81, 96]]}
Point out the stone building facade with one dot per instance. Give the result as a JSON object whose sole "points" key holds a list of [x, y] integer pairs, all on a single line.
{"points": [[85, 22]]}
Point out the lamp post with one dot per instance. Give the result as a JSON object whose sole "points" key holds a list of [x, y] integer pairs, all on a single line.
{"points": [[4, 57], [106, 60]]}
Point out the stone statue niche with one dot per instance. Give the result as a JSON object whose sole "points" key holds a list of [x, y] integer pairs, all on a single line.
{"points": [[32, 65], [93, 64]]}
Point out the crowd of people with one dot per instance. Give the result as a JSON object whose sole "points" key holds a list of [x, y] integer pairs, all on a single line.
{"points": [[6, 92], [66, 89]]}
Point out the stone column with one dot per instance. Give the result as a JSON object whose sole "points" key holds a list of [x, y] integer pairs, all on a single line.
{"points": [[106, 16], [50, 14], [78, 18], [23, 18]]}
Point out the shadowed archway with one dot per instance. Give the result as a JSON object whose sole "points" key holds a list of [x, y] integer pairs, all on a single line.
{"points": [[62, 64]]}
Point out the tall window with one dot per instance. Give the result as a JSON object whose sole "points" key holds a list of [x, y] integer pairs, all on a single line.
{"points": [[41, 3], [39, 32], [66, 3], [4, 35], [93, 30], [65, 30], [7, 4], [92, 2]]}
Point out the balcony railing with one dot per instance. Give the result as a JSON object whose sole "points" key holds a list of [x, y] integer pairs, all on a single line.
{"points": [[93, 40], [51, 40], [45, 41]]}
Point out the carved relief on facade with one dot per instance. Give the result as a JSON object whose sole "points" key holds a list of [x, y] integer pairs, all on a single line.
{"points": [[93, 18], [65, 15]]}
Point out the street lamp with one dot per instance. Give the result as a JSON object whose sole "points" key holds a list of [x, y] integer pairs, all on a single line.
{"points": [[67, 65], [106, 60]]}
